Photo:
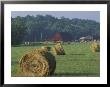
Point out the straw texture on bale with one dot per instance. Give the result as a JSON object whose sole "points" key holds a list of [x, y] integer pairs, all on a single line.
{"points": [[46, 48], [95, 47], [58, 49], [38, 63]]}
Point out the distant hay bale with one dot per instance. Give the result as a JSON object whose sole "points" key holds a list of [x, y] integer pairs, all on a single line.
{"points": [[38, 63], [58, 41], [82, 41], [95, 47], [58, 49], [46, 48], [54, 51]]}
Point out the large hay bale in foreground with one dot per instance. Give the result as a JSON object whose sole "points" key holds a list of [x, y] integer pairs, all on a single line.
{"points": [[38, 63], [58, 49], [95, 47]]}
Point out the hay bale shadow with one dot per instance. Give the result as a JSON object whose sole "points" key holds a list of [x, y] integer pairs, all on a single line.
{"points": [[78, 54], [76, 75]]}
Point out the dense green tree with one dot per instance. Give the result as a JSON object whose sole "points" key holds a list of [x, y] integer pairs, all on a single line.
{"points": [[18, 30], [40, 28]]}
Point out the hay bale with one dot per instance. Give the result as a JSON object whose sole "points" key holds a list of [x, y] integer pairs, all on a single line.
{"points": [[46, 48], [39, 63], [58, 49], [54, 51], [95, 47], [58, 42], [81, 41]]}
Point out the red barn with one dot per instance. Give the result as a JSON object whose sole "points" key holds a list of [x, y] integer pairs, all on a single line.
{"points": [[61, 36], [57, 37]]}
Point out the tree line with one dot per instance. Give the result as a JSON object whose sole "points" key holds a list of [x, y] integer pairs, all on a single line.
{"points": [[41, 28]]}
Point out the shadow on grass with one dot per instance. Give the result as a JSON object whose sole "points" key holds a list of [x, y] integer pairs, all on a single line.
{"points": [[76, 75], [14, 62], [73, 54], [26, 45], [78, 54]]}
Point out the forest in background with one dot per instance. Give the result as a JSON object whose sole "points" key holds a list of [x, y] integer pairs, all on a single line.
{"points": [[43, 28]]}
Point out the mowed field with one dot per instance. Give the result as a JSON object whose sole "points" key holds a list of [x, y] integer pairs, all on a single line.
{"points": [[79, 60]]}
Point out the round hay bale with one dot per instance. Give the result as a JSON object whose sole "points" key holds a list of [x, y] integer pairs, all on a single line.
{"points": [[39, 63], [46, 48], [58, 49], [54, 51], [95, 47], [81, 41], [58, 41]]}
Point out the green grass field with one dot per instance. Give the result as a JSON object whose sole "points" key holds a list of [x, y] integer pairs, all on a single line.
{"points": [[79, 60]]}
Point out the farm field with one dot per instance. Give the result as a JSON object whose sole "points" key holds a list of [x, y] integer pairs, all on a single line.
{"points": [[79, 60]]}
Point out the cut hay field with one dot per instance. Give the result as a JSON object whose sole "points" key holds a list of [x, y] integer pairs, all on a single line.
{"points": [[79, 60]]}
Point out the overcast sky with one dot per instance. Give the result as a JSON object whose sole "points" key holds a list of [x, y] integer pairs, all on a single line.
{"points": [[91, 15]]}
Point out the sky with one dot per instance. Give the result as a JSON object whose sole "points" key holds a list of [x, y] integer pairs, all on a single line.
{"points": [[90, 15]]}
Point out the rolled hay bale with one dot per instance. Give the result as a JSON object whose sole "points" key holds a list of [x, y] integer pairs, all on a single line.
{"points": [[38, 63], [54, 51], [81, 41], [58, 42], [95, 47], [46, 48], [58, 49]]}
